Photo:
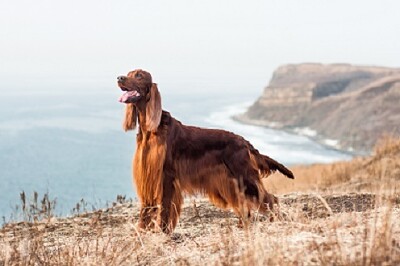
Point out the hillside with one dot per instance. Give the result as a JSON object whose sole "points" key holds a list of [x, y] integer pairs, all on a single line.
{"points": [[346, 214], [344, 106]]}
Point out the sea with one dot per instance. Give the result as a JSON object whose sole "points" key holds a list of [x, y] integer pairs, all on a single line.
{"points": [[71, 144]]}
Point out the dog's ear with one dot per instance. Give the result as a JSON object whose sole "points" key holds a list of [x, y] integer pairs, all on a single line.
{"points": [[130, 117], [153, 109]]}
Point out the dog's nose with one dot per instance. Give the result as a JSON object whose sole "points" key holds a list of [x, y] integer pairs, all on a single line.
{"points": [[121, 78]]}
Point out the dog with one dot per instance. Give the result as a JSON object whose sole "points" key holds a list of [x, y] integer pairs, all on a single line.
{"points": [[173, 159]]}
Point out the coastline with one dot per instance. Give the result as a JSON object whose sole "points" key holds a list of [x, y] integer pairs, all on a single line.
{"points": [[306, 132]]}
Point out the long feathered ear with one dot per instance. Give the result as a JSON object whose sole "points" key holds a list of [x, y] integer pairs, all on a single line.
{"points": [[153, 109], [130, 117]]}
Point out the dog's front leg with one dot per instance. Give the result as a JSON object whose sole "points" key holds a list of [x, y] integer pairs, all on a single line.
{"points": [[171, 204], [147, 216]]}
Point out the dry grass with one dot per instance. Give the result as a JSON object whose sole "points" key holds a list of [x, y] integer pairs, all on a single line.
{"points": [[381, 171], [330, 222]]}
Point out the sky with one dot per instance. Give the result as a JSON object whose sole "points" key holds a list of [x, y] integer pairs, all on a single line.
{"points": [[49, 45]]}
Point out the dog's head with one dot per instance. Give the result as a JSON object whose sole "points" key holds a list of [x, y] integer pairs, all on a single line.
{"points": [[136, 85], [141, 95]]}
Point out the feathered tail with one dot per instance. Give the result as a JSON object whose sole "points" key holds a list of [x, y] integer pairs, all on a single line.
{"points": [[274, 165]]}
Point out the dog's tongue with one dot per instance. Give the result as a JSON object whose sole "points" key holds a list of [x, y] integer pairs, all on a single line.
{"points": [[124, 98]]}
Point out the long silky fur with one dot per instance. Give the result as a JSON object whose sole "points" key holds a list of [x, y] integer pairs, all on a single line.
{"points": [[153, 109], [129, 122]]}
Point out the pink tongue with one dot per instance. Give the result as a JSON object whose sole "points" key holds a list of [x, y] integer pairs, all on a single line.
{"points": [[126, 96]]}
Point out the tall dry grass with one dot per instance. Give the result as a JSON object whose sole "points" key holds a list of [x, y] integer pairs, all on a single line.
{"points": [[363, 174], [370, 237]]}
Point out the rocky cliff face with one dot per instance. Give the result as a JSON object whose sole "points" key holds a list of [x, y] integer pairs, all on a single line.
{"points": [[354, 105]]}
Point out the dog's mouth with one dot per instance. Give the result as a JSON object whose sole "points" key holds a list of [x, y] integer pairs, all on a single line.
{"points": [[129, 96]]}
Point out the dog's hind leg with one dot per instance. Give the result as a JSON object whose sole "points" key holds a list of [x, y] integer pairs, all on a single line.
{"points": [[268, 205]]}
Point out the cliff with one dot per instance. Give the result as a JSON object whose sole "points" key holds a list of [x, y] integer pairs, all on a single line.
{"points": [[345, 106]]}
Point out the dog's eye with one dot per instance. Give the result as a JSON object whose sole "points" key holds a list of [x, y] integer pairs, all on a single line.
{"points": [[138, 75]]}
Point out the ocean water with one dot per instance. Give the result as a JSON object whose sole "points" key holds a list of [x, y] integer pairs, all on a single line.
{"points": [[72, 146]]}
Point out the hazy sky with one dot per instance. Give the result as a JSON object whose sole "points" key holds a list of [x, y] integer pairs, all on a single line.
{"points": [[187, 44]]}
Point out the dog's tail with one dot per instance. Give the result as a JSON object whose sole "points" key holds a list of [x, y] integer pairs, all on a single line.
{"points": [[274, 166]]}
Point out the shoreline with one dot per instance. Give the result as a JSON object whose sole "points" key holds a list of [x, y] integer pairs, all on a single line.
{"points": [[313, 135]]}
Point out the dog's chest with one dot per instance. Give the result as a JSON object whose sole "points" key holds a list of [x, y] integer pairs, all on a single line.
{"points": [[149, 156]]}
